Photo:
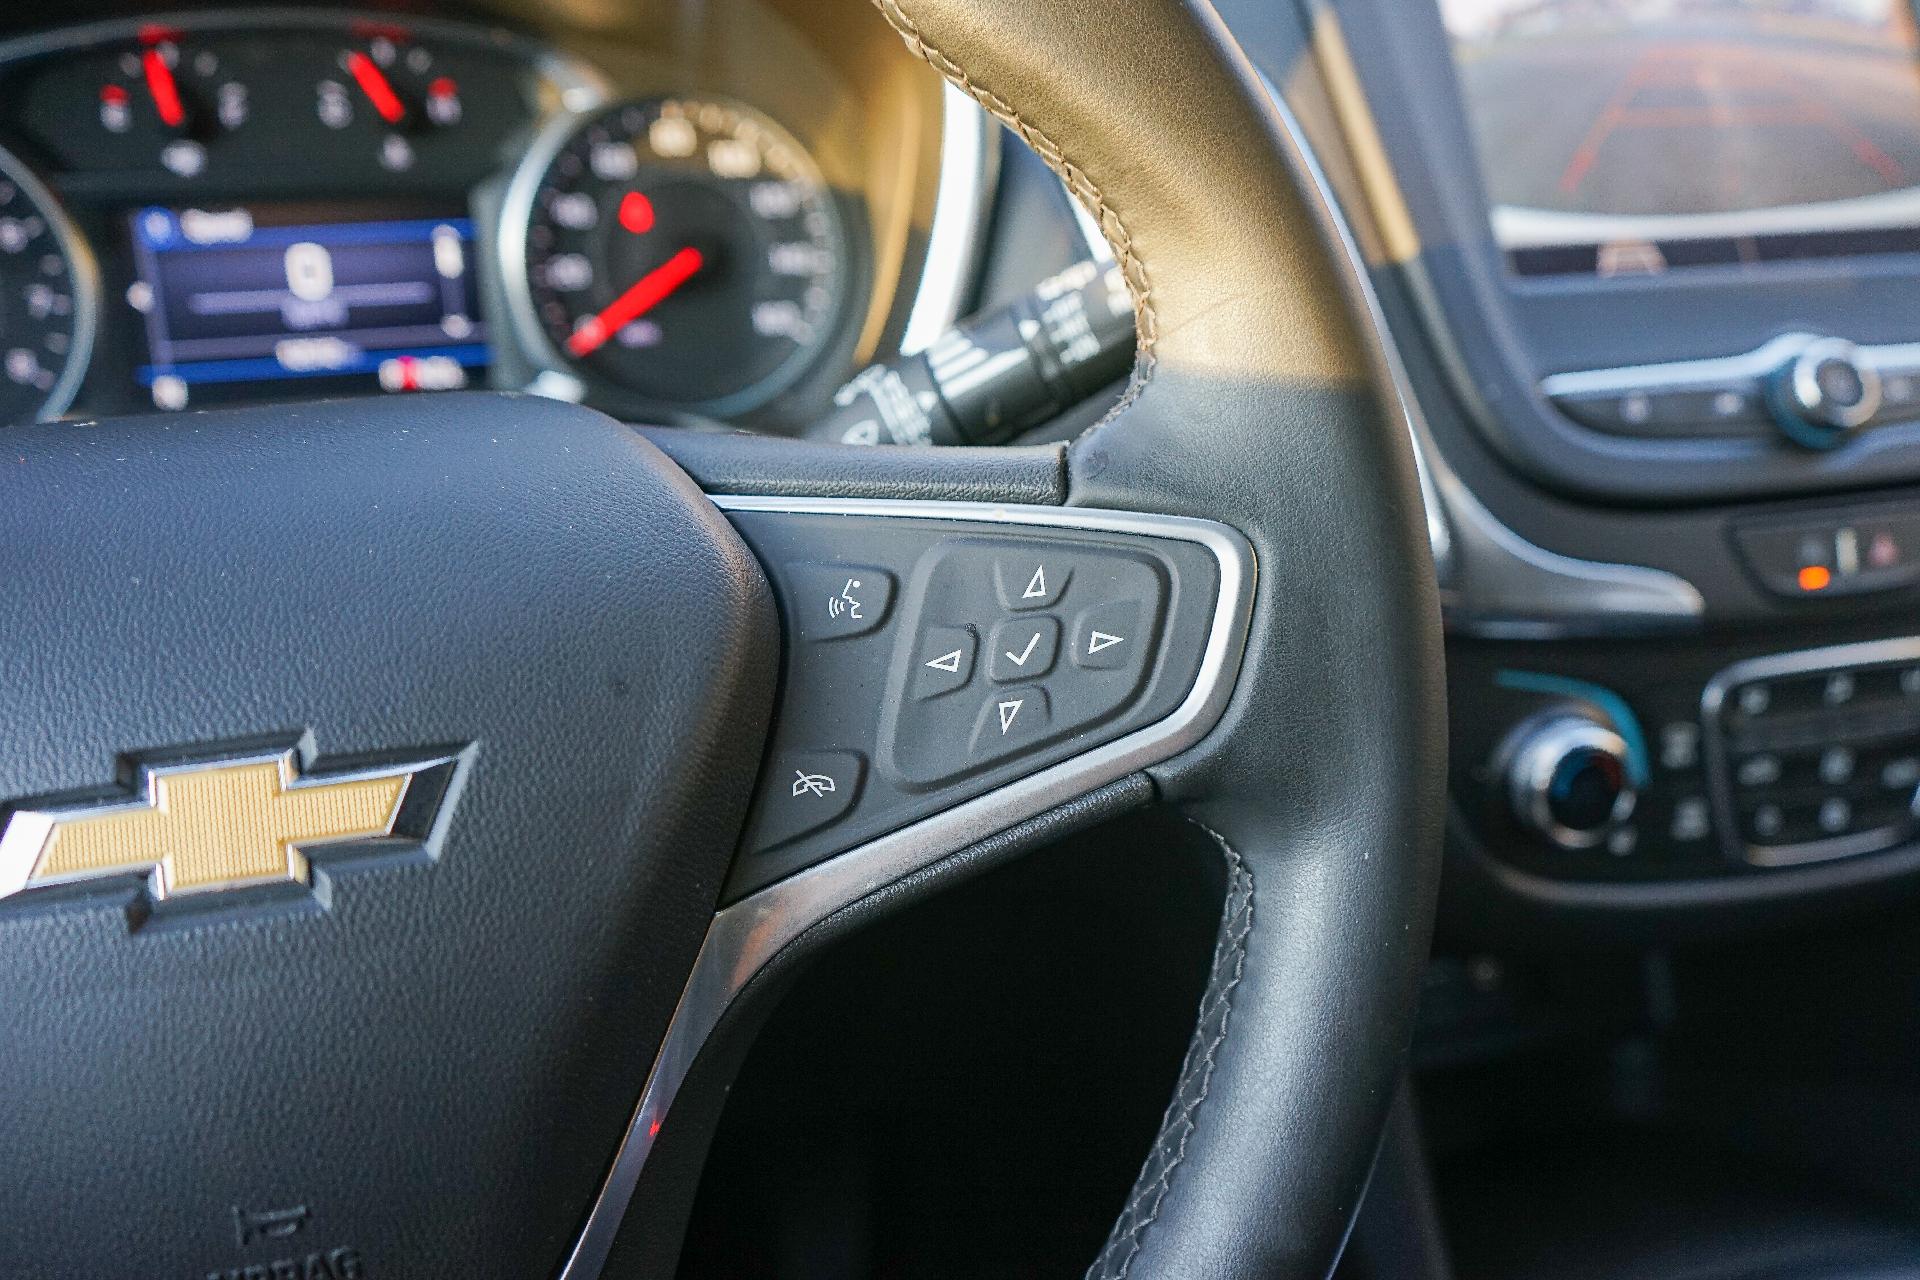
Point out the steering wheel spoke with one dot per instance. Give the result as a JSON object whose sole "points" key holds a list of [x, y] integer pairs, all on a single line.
{"points": [[951, 670]]}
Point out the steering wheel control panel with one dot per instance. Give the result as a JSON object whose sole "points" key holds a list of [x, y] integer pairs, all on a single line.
{"points": [[1713, 763], [930, 661]]}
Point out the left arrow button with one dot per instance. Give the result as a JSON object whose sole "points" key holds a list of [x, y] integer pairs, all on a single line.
{"points": [[943, 661]]}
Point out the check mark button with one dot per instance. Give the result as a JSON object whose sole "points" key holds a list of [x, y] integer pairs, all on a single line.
{"points": [[1023, 649]]}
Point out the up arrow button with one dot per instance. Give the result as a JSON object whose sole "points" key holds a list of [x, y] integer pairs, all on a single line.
{"points": [[1031, 581]]}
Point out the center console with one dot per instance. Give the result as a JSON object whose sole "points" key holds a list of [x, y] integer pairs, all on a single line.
{"points": [[1621, 764], [1646, 282]]}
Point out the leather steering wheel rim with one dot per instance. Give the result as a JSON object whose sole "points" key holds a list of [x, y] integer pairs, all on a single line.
{"points": [[1322, 787]]}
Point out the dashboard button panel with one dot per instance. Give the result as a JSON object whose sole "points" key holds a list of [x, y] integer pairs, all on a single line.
{"points": [[1644, 741], [981, 654], [1845, 553], [1817, 754], [1726, 407], [1742, 764], [1810, 390]]}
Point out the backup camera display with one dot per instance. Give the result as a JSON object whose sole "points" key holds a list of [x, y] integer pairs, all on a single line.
{"points": [[1628, 125]]}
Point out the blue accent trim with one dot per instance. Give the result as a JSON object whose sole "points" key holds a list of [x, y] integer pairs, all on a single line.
{"points": [[1625, 723], [267, 369], [1808, 435]]}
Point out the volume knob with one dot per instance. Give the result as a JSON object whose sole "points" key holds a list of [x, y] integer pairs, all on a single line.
{"points": [[1824, 393], [1569, 780]]}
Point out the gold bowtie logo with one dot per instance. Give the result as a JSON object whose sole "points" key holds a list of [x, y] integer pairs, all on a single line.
{"points": [[200, 827]]}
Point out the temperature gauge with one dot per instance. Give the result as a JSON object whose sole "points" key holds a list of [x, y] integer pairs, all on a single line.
{"points": [[390, 86]]}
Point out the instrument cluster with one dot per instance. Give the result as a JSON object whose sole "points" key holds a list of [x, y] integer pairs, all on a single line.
{"points": [[220, 209]]}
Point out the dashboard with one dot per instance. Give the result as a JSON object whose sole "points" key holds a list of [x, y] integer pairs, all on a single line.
{"points": [[1643, 275], [216, 207]]}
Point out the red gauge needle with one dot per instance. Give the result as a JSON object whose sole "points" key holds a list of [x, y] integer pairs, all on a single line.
{"points": [[648, 292], [379, 90], [160, 83]]}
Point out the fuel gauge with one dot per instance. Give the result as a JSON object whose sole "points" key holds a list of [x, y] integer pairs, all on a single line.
{"points": [[182, 97]]}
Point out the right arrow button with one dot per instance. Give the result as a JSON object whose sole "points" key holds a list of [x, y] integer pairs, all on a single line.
{"points": [[1107, 637]]}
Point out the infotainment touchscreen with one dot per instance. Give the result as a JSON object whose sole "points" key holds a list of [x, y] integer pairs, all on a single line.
{"points": [[1629, 136]]}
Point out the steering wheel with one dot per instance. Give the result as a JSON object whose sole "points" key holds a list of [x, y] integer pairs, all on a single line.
{"points": [[373, 771]]}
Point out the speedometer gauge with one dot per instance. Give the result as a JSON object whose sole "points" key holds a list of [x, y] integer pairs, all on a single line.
{"points": [[47, 287], [677, 251]]}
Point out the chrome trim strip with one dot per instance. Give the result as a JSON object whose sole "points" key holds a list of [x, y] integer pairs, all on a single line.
{"points": [[1679, 375], [1493, 581], [1754, 366], [1521, 226], [969, 167], [1800, 662], [745, 936]]}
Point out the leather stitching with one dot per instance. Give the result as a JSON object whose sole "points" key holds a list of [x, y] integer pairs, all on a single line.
{"points": [[1196, 1073], [1112, 225], [1236, 919]]}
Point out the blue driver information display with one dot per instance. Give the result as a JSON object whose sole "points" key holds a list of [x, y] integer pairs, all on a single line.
{"points": [[233, 298]]}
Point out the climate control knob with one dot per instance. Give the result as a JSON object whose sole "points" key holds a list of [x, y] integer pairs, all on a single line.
{"points": [[1569, 779], [1824, 392]]}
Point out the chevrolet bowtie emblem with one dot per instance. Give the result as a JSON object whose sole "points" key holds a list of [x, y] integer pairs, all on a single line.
{"points": [[200, 826]]}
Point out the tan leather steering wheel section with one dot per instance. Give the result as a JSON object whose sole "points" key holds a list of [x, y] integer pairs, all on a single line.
{"points": [[1323, 785], [1157, 123]]}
